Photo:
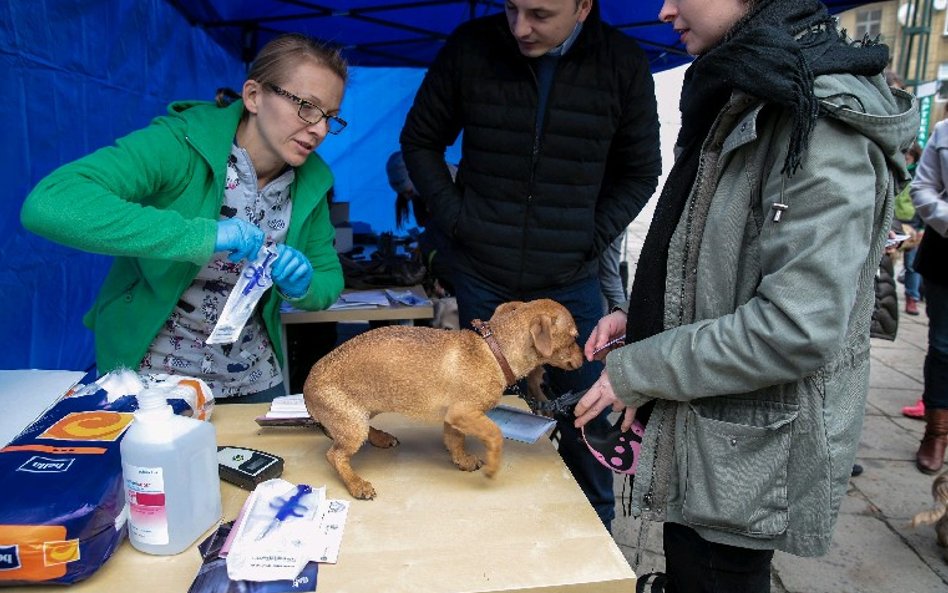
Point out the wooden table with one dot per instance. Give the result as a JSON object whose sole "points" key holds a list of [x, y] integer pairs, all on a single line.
{"points": [[396, 312], [432, 528]]}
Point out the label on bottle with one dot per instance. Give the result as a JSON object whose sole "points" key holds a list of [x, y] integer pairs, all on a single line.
{"points": [[145, 494]]}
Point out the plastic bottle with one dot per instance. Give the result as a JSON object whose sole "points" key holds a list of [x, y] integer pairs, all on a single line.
{"points": [[172, 487]]}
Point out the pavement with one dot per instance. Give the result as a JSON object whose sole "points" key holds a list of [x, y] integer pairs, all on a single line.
{"points": [[875, 549]]}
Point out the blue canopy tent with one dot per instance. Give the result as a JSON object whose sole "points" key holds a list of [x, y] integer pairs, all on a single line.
{"points": [[80, 74], [406, 32]]}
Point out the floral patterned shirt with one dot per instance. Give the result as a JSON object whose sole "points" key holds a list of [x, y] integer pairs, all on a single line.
{"points": [[249, 365]]}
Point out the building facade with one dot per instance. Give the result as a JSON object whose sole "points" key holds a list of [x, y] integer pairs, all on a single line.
{"points": [[916, 32]]}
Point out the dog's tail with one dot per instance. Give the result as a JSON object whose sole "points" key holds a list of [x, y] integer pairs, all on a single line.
{"points": [[929, 517], [940, 509]]}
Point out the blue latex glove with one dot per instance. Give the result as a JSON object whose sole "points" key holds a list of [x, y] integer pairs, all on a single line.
{"points": [[291, 272], [242, 239]]}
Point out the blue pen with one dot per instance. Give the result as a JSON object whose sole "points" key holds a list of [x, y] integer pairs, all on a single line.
{"points": [[286, 508]]}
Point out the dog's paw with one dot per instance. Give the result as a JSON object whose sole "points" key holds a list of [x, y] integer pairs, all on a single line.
{"points": [[491, 470], [468, 462], [361, 490], [381, 439]]}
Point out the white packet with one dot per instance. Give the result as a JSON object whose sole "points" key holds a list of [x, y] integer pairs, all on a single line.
{"points": [[254, 280], [266, 548]]}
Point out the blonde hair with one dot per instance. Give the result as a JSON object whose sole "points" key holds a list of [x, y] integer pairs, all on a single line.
{"points": [[280, 55], [286, 51]]}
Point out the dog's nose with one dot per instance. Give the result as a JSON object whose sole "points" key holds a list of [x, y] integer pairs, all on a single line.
{"points": [[577, 359]]}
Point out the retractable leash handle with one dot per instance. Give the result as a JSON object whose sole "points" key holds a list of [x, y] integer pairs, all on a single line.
{"points": [[615, 449]]}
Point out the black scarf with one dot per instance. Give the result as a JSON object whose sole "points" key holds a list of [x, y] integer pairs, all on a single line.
{"points": [[773, 53]]}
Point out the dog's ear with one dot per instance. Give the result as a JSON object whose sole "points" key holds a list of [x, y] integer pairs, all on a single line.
{"points": [[508, 307], [541, 329]]}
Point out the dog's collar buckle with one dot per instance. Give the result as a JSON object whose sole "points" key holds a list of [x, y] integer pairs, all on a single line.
{"points": [[483, 328]]}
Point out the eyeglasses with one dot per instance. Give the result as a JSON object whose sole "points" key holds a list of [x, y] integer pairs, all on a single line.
{"points": [[309, 112]]}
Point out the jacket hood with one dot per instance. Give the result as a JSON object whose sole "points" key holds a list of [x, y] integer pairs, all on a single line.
{"points": [[202, 120], [887, 116]]}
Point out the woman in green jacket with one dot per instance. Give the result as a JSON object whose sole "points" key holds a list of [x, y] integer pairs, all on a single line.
{"points": [[181, 202], [748, 325]]}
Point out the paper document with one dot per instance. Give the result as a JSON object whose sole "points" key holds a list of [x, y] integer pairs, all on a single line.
{"points": [[361, 299], [406, 297], [519, 425], [286, 410]]}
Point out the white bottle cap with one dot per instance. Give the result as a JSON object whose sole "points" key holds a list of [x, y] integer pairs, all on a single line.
{"points": [[152, 402]]}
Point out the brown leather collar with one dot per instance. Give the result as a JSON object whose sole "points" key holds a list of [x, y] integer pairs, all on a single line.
{"points": [[483, 328]]}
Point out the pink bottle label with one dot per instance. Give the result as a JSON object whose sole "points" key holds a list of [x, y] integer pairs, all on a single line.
{"points": [[145, 494]]}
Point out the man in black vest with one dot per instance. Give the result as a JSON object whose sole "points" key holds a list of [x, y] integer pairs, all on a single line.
{"points": [[560, 152]]}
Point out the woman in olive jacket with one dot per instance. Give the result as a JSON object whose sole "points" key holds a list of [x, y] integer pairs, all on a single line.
{"points": [[748, 325]]}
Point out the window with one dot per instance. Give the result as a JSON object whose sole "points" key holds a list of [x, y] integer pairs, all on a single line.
{"points": [[868, 22], [942, 82]]}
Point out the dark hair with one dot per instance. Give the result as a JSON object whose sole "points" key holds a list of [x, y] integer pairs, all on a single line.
{"points": [[402, 208], [225, 96], [280, 54], [914, 151]]}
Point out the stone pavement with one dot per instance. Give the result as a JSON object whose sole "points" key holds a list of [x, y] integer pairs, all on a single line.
{"points": [[875, 549]]}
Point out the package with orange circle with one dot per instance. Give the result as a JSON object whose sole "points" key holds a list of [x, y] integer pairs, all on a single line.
{"points": [[61, 513]]}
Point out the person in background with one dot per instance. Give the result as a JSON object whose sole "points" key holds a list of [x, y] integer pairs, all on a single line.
{"points": [[610, 275], [905, 214], [434, 246], [910, 221], [911, 224], [559, 154], [748, 324], [928, 197], [181, 203]]}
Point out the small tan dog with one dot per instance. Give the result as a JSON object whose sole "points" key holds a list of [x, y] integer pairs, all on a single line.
{"points": [[939, 513], [434, 374]]}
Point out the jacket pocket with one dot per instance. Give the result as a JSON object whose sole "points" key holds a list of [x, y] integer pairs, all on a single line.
{"points": [[737, 473], [124, 295], [459, 229]]}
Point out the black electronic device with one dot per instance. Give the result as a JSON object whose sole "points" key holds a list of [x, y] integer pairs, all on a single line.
{"points": [[247, 467]]}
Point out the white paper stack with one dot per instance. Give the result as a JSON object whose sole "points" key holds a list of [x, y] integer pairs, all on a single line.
{"points": [[286, 410]]}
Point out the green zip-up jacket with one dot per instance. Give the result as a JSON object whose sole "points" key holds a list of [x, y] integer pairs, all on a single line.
{"points": [[153, 202]]}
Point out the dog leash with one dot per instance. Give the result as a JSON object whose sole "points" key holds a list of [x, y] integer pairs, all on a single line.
{"points": [[483, 328], [620, 341], [562, 407]]}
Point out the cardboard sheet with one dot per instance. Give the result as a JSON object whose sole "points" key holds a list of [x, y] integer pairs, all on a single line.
{"points": [[25, 394]]}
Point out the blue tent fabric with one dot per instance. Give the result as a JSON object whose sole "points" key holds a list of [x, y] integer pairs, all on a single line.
{"points": [[405, 32], [80, 74], [77, 75]]}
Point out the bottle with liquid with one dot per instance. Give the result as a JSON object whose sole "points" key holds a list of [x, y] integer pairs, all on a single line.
{"points": [[172, 487]]}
